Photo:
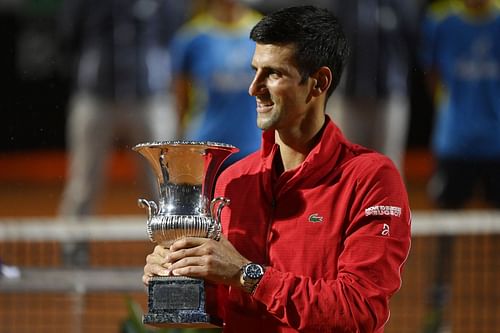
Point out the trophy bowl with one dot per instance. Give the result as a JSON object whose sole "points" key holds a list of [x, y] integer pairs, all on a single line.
{"points": [[186, 172]]}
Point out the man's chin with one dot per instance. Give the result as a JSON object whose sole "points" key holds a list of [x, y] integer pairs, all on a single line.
{"points": [[267, 120], [265, 125]]}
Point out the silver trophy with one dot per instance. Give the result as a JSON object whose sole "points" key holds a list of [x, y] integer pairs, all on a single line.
{"points": [[186, 173]]}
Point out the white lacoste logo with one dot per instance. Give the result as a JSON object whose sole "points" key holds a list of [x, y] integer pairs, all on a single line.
{"points": [[315, 218], [383, 210]]}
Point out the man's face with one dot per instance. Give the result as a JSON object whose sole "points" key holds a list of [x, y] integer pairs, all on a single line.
{"points": [[281, 97]]}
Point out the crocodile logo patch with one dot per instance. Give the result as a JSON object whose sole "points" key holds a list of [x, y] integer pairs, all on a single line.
{"points": [[315, 218]]}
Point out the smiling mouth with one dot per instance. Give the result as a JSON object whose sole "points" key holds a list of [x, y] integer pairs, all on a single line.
{"points": [[264, 107]]}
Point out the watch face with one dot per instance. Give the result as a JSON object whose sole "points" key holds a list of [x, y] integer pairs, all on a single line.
{"points": [[254, 271]]}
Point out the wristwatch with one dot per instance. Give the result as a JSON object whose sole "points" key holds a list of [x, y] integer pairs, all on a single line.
{"points": [[250, 276]]}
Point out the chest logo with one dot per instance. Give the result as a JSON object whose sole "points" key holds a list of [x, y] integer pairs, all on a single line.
{"points": [[315, 218]]}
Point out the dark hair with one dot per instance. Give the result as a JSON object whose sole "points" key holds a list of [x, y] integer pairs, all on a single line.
{"points": [[316, 34]]}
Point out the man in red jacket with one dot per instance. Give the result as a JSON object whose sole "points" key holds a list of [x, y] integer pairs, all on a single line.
{"points": [[318, 228]]}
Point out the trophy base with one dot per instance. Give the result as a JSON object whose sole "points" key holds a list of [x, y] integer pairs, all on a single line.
{"points": [[179, 320], [177, 302]]}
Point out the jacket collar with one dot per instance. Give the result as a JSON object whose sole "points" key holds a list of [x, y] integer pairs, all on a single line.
{"points": [[323, 156]]}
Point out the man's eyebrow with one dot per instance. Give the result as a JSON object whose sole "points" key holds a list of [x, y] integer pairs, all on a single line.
{"points": [[269, 68]]}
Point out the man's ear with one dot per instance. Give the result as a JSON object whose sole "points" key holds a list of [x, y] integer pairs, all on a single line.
{"points": [[323, 77]]}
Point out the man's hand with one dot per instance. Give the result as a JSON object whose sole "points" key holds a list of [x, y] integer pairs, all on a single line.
{"points": [[156, 264], [216, 261]]}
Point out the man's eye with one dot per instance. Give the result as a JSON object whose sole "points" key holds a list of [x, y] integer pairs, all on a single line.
{"points": [[274, 74]]}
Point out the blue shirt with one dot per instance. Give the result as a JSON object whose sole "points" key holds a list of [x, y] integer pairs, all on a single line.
{"points": [[217, 60], [466, 54]]}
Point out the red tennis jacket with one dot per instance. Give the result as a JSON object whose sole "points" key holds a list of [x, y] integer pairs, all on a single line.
{"points": [[334, 234]]}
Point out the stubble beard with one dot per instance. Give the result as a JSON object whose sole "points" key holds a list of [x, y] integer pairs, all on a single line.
{"points": [[268, 120]]}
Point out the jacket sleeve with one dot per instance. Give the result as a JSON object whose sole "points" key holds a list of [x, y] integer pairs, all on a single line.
{"points": [[375, 246]]}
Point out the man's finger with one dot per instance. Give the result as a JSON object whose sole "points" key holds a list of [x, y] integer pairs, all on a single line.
{"points": [[145, 279], [187, 242], [191, 271], [185, 262], [155, 269], [161, 251]]}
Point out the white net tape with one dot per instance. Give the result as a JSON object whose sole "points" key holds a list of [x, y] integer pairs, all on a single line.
{"points": [[134, 228]]}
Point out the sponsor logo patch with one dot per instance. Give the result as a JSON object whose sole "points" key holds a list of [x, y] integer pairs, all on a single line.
{"points": [[383, 210]]}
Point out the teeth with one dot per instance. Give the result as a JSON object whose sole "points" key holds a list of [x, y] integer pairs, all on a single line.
{"points": [[260, 102]]}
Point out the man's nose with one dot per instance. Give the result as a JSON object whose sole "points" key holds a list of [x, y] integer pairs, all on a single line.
{"points": [[256, 86]]}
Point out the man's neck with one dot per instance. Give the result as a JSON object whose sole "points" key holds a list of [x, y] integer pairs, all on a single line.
{"points": [[296, 144]]}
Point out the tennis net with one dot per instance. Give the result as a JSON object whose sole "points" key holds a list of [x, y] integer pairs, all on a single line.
{"points": [[450, 282]]}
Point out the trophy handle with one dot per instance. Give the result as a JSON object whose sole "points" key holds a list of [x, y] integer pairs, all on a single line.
{"points": [[150, 205], [217, 203]]}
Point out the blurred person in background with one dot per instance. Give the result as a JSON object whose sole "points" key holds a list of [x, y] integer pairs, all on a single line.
{"points": [[121, 78], [266, 6], [210, 57], [461, 53], [372, 103]]}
